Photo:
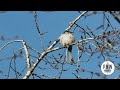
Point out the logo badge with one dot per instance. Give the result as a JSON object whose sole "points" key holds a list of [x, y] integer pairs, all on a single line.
{"points": [[107, 67]]}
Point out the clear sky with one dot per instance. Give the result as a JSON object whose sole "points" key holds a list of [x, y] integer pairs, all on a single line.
{"points": [[22, 24]]}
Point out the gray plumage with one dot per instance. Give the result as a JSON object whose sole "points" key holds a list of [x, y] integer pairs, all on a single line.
{"points": [[66, 39]]}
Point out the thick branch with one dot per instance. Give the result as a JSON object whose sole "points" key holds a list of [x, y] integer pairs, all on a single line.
{"points": [[29, 72], [73, 22], [27, 54], [25, 48]]}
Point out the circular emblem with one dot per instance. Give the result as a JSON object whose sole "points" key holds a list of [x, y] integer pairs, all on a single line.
{"points": [[107, 67]]}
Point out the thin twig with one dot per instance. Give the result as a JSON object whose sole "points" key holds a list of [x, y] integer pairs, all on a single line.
{"points": [[25, 48], [29, 72], [38, 29], [115, 16], [73, 22]]}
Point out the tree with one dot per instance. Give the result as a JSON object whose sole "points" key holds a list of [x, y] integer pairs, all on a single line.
{"points": [[94, 44]]}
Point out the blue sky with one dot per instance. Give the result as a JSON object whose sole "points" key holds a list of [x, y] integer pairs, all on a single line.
{"points": [[22, 24]]}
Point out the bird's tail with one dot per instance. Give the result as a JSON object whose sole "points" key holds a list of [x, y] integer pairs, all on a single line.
{"points": [[70, 54]]}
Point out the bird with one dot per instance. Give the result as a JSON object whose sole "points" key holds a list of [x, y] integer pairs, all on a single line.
{"points": [[66, 39]]}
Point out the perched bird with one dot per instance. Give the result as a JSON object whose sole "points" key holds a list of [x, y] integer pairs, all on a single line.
{"points": [[66, 39]]}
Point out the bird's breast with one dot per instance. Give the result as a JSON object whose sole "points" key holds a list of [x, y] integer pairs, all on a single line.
{"points": [[66, 39]]}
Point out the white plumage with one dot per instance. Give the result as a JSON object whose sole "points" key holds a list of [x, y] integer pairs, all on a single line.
{"points": [[66, 39]]}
